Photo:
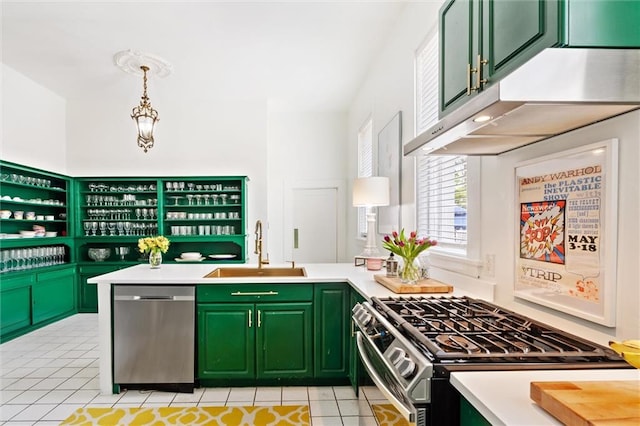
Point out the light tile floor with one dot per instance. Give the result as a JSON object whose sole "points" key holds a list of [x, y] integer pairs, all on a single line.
{"points": [[49, 373]]}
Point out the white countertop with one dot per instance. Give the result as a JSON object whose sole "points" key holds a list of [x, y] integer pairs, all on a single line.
{"points": [[359, 277], [502, 397]]}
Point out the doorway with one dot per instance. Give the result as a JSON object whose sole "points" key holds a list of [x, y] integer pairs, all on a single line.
{"points": [[312, 231]]}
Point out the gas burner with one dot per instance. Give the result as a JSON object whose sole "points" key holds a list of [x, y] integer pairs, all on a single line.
{"points": [[524, 347], [456, 343], [463, 328]]}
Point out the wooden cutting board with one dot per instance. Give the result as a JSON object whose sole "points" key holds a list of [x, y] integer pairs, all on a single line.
{"points": [[428, 285], [590, 403]]}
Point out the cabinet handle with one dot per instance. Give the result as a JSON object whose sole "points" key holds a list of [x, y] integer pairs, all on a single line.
{"points": [[470, 72], [259, 318], [250, 315], [479, 80], [295, 238], [254, 293]]}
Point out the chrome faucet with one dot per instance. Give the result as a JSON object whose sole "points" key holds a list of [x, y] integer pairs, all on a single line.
{"points": [[258, 249]]}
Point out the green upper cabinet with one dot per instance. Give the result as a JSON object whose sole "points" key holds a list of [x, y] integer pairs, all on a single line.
{"points": [[602, 23], [482, 41]]}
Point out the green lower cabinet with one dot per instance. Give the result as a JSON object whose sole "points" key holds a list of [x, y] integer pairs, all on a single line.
{"points": [[226, 341], [88, 293], [331, 337], [284, 342], [15, 303], [53, 294], [469, 416], [254, 341]]}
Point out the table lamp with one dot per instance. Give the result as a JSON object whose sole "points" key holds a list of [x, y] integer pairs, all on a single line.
{"points": [[371, 192]]}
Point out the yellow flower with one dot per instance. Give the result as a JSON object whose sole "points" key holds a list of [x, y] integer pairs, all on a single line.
{"points": [[158, 243]]}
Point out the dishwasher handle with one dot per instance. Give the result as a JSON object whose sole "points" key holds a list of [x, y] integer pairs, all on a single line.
{"points": [[154, 298]]}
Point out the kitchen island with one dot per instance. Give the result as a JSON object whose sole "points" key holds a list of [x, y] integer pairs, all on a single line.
{"points": [[359, 278], [501, 397]]}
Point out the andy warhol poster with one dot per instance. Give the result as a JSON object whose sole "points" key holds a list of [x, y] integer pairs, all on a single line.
{"points": [[566, 231]]}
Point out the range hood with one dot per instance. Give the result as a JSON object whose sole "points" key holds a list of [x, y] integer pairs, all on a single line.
{"points": [[559, 90]]}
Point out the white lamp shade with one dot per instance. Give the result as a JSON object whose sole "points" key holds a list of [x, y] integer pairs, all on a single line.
{"points": [[371, 191]]}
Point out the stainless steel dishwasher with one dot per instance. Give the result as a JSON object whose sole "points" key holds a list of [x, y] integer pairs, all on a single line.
{"points": [[154, 337]]}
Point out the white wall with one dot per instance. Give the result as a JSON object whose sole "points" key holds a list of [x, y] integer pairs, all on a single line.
{"points": [[498, 211], [227, 138], [305, 148], [33, 123], [389, 88]]}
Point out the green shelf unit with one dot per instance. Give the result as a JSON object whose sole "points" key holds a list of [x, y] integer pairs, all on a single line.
{"points": [[198, 213], [44, 195]]}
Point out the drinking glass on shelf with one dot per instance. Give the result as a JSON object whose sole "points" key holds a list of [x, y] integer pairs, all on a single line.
{"points": [[138, 213], [190, 198], [190, 185], [127, 228], [181, 186], [198, 199], [103, 228], [87, 228], [168, 185], [206, 199]]}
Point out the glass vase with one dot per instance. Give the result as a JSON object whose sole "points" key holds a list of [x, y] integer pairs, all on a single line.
{"points": [[410, 271], [155, 259]]}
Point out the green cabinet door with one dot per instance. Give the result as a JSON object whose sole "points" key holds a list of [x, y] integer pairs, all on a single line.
{"points": [[53, 294], [331, 336], [88, 293], [226, 341], [355, 364], [284, 342], [15, 303], [481, 41], [513, 32], [458, 46]]}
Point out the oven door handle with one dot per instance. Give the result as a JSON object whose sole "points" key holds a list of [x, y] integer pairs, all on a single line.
{"points": [[406, 412]]}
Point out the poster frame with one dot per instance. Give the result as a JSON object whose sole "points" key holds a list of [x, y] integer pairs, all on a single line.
{"points": [[565, 299]]}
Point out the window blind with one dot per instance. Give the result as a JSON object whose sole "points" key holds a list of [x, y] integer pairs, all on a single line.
{"points": [[441, 181], [365, 167]]}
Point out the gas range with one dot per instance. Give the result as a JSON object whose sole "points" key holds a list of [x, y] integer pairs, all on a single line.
{"points": [[410, 345]]}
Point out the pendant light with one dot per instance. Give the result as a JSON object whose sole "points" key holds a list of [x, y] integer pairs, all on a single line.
{"points": [[145, 117], [133, 62]]}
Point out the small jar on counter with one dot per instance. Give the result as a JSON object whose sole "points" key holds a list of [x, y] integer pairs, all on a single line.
{"points": [[392, 266]]}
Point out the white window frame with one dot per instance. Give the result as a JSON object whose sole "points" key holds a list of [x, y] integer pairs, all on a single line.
{"points": [[458, 258], [365, 168]]}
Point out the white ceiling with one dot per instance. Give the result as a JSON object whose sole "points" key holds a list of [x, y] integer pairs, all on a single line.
{"points": [[312, 55]]}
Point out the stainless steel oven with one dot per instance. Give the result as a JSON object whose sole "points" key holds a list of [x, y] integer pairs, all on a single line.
{"points": [[409, 346]]}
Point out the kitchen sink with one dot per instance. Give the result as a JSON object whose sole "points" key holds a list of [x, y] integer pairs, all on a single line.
{"points": [[256, 272]]}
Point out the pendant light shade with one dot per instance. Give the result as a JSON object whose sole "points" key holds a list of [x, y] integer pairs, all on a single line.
{"points": [[145, 117]]}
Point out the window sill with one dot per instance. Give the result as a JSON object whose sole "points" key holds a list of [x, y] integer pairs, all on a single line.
{"points": [[454, 261]]}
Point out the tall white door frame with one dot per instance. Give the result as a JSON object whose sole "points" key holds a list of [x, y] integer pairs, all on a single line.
{"points": [[289, 188]]}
